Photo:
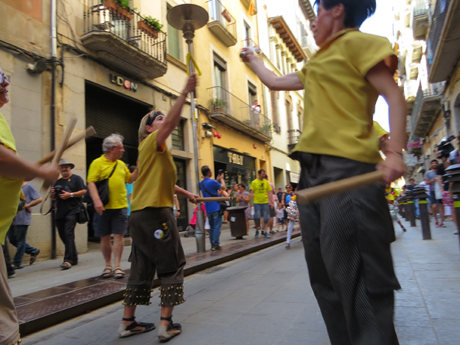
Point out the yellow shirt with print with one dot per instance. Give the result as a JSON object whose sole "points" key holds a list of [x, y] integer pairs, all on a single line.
{"points": [[260, 188], [10, 188], [157, 176], [339, 102], [100, 169]]}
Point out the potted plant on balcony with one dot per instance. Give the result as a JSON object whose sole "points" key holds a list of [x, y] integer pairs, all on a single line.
{"points": [[150, 26], [119, 8], [226, 15], [217, 104]]}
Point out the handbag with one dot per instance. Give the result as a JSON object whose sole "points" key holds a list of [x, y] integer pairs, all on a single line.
{"points": [[103, 187], [223, 204], [83, 216]]}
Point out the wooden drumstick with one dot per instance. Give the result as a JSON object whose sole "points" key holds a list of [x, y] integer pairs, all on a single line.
{"points": [[88, 133], [312, 194], [213, 199], [62, 145]]}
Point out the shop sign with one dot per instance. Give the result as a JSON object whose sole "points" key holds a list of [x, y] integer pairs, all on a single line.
{"points": [[117, 80], [235, 158]]}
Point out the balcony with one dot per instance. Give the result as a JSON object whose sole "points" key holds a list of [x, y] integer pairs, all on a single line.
{"points": [[307, 10], [285, 33], [229, 109], [121, 39], [417, 52], [222, 24], [308, 45], [294, 137], [443, 48], [420, 21], [426, 109]]}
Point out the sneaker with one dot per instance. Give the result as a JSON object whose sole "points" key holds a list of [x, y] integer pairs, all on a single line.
{"points": [[257, 234], [12, 275], [17, 267], [267, 235], [272, 232], [436, 224], [262, 233], [33, 257], [288, 246], [442, 225]]}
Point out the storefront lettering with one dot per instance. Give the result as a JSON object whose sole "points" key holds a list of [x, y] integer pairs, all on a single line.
{"points": [[128, 85], [235, 158]]}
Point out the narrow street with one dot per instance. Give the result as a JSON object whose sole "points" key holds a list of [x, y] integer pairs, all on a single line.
{"points": [[265, 298]]}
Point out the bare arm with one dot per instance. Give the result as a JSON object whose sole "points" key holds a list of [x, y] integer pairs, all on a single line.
{"points": [[14, 166], [98, 206], [65, 194], [182, 192], [134, 176], [288, 82], [252, 196], [382, 80], [173, 118], [32, 204]]}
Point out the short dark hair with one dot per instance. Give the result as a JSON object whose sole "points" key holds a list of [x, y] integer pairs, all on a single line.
{"points": [[242, 185], [411, 179], [261, 171], [434, 160], [356, 11], [205, 170]]}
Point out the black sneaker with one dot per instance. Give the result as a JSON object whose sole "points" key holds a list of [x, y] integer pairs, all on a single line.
{"points": [[17, 267], [33, 257]]}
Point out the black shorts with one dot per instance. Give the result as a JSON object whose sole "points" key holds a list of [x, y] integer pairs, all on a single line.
{"points": [[272, 212]]}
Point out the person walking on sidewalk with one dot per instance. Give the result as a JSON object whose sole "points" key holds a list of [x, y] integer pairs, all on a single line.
{"points": [[271, 196], [242, 198], [13, 171], [293, 217], [431, 177], [211, 188], [347, 236], [156, 247], [280, 216], [18, 229], [67, 192], [259, 197], [111, 218]]}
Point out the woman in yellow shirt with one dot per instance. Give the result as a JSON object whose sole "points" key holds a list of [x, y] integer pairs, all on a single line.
{"points": [[156, 246]]}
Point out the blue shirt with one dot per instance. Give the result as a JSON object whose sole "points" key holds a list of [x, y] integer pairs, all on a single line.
{"points": [[129, 191], [213, 187], [25, 217]]}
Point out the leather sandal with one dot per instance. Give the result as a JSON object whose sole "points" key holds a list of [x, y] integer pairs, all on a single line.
{"points": [[126, 331], [118, 273], [166, 333], [107, 272], [66, 265]]}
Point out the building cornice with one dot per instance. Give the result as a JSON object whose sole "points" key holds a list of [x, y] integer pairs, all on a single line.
{"points": [[281, 27]]}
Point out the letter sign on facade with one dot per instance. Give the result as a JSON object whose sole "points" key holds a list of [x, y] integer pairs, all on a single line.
{"points": [[235, 158], [128, 85]]}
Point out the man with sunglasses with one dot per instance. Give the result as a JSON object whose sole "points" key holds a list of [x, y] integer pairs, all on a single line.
{"points": [[111, 218], [13, 171]]}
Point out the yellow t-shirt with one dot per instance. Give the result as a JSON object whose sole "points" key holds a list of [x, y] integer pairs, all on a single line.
{"points": [[157, 176], [260, 189], [339, 102], [389, 196], [100, 169], [10, 188], [379, 130]]}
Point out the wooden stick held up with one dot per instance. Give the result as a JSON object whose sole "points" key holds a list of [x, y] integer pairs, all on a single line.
{"points": [[62, 146], [312, 194], [88, 133], [213, 199]]}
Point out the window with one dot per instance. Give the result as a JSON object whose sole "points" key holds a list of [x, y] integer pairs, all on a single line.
{"points": [[173, 40], [178, 136], [247, 35], [274, 96], [220, 77], [252, 91]]}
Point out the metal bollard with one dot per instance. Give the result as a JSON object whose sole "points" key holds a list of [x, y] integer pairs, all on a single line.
{"points": [[411, 207], [420, 194], [200, 233], [453, 174]]}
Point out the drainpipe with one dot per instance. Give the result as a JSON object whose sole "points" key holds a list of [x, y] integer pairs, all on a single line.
{"points": [[53, 108]]}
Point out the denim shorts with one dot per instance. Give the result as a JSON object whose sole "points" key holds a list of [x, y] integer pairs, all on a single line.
{"points": [[261, 211], [111, 222], [433, 199]]}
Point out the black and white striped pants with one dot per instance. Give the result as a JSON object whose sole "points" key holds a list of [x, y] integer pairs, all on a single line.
{"points": [[347, 241]]}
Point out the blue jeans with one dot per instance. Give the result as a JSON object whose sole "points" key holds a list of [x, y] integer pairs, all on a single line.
{"points": [[417, 208], [215, 222], [17, 236], [261, 211]]}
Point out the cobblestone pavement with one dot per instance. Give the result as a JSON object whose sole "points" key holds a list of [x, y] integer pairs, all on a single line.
{"points": [[265, 298]]}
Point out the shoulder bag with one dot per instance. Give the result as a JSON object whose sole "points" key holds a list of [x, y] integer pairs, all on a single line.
{"points": [[103, 187], [82, 216]]}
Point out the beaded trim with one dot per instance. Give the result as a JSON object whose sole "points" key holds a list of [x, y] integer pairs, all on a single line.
{"points": [[171, 295], [137, 296]]}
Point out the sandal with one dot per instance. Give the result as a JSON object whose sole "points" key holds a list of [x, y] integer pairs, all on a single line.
{"points": [[66, 265], [33, 257], [166, 333], [107, 272], [118, 273], [126, 331]]}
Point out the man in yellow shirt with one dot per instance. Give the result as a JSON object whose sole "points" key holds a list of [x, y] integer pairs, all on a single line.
{"points": [[259, 196], [347, 237], [13, 171], [111, 218]]}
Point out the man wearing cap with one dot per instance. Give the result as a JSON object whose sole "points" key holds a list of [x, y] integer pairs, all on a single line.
{"points": [[67, 192]]}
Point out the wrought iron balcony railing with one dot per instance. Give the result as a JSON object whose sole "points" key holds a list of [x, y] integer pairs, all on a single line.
{"points": [[107, 17], [424, 94], [228, 108], [294, 136]]}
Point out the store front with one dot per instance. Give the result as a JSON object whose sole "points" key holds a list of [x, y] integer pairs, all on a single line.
{"points": [[238, 168]]}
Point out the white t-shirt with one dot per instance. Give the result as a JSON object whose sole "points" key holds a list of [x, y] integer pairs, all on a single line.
{"points": [[279, 213]]}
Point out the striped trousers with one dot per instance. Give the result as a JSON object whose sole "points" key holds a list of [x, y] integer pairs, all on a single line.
{"points": [[347, 241]]}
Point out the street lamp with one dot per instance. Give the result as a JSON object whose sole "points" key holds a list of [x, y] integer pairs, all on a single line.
{"points": [[188, 18]]}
